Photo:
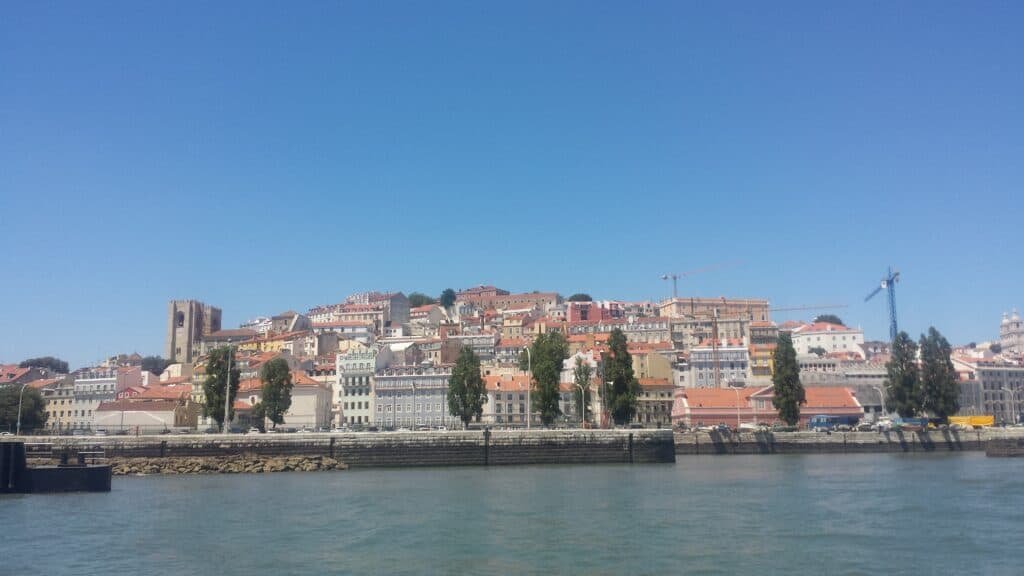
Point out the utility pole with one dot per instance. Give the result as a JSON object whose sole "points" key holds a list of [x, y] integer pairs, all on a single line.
{"points": [[714, 349], [529, 385], [227, 391]]}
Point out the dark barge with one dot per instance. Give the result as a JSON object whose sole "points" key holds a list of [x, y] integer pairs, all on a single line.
{"points": [[71, 472]]}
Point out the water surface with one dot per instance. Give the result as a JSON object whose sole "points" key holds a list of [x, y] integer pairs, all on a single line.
{"points": [[815, 514]]}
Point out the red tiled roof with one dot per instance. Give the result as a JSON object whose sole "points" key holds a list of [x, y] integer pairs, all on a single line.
{"points": [[300, 378], [11, 372], [822, 327], [719, 397], [43, 383], [250, 384], [507, 382], [133, 405], [654, 383], [165, 392], [233, 333]]}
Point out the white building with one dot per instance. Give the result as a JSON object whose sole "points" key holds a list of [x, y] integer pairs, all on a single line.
{"points": [[830, 337], [407, 396], [731, 368], [1011, 333], [353, 391], [990, 386], [98, 385]]}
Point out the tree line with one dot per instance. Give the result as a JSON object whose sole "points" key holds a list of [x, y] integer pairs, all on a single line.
{"points": [[913, 386]]}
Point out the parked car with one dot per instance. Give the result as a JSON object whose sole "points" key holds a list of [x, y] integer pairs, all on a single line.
{"points": [[6, 433], [254, 430]]}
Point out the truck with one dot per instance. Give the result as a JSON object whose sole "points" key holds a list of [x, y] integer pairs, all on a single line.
{"points": [[979, 421], [911, 424], [828, 423]]}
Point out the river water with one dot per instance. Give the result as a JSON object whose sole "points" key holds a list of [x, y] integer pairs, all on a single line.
{"points": [[817, 514]]}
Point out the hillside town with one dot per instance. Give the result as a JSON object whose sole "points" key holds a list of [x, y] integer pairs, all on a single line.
{"points": [[377, 361]]}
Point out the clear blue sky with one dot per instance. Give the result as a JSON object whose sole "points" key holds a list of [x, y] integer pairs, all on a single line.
{"points": [[267, 156]]}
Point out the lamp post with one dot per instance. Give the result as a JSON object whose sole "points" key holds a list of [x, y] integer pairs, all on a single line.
{"points": [[583, 406], [227, 392], [736, 388], [1014, 412], [21, 395], [529, 386], [881, 394]]}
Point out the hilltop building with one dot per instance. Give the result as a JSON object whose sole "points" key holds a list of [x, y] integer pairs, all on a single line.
{"points": [[188, 322], [1011, 333]]}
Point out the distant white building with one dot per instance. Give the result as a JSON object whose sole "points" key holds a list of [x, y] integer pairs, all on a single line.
{"points": [[830, 337], [96, 386], [353, 393], [733, 365], [261, 325], [1011, 333]]}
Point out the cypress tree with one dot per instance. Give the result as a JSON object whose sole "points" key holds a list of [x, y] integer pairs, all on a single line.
{"points": [[624, 390], [788, 392], [217, 378], [466, 391], [940, 390], [548, 351], [902, 382]]}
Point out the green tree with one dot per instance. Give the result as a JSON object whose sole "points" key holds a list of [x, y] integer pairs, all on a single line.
{"points": [[466, 391], [787, 391], [447, 298], [155, 364], [276, 397], [417, 299], [940, 390], [581, 376], [830, 318], [547, 352], [49, 362], [217, 378], [624, 390], [580, 297], [33, 409], [902, 382], [817, 351]]}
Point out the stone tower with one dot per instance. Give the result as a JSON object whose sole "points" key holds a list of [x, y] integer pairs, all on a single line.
{"points": [[188, 322], [1011, 333]]}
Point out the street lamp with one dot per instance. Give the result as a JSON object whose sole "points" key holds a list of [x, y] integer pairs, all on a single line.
{"points": [[736, 388], [529, 386], [227, 391], [881, 394], [1015, 412], [20, 396], [582, 406]]}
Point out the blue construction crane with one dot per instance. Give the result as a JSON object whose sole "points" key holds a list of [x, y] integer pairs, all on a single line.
{"points": [[889, 283]]}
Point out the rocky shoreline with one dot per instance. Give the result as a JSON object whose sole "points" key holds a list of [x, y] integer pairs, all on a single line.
{"points": [[243, 464]]}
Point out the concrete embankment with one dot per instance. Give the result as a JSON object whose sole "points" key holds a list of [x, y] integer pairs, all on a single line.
{"points": [[693, 443], [278, 452]]}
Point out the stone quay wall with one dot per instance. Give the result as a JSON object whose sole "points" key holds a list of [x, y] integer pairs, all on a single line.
{"points": [[362, 450], [695, 443]]}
